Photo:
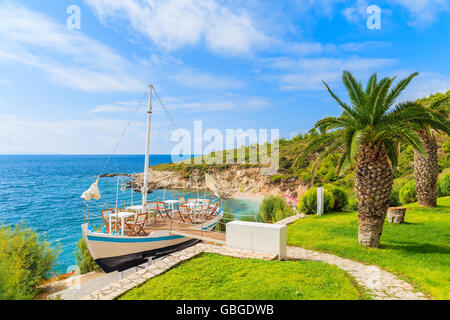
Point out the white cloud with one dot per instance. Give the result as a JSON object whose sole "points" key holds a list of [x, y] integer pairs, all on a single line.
{"points": [[318, 48], [213, 103], [5, 81], [173, 24], [356, 12], [195, 79], [119, 106], [109, 109], [23, 134], [424, 12], [425, 84], [308, 73], [19, 134], [68, 58]]}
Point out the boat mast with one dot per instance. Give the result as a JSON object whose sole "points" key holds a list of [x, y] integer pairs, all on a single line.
{"points": [[147, 149]]}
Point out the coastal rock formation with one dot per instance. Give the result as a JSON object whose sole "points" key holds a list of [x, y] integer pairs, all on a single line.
{"points": [[233, 181], [111, 175]]}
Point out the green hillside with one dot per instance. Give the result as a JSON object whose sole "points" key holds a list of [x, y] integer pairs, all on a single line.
{"points": [[310, 171]]}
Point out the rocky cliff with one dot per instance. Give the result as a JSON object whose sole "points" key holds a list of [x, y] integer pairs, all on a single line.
{"points": [[233, 181]]}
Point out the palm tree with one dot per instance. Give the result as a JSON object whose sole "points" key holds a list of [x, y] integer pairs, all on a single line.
{"points": [[370, 131], [426, 168]]}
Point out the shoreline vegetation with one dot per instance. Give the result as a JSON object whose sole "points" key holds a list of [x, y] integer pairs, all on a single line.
{"points": [[294, 177], [420, 238]]}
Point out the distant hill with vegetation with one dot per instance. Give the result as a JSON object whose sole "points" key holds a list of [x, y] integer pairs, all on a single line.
{"points": [[310, 172]]}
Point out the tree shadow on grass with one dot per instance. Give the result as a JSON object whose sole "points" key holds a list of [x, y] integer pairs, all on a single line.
{"points": [[413, 223], [414, 247]]}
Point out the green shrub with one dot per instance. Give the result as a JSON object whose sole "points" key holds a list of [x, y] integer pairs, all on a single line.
{"points": [[308, 201], [84, 259], [270, 206], [340, 197], [351, 205], [407, 193], [276, 178], [25, 260], [444, 185], [395, 195]]}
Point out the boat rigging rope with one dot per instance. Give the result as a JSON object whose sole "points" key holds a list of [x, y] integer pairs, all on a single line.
{"points": [[123, 133], [172, 122]]}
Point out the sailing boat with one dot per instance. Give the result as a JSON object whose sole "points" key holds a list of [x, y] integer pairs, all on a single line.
{"points": [[150, 230]]}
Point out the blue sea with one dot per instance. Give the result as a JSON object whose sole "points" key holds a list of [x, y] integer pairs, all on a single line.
{"points": [[44, 192]]}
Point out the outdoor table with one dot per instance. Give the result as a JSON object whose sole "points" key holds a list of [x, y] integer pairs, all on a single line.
{"points": [[122, 216], [171, 203], [138, 209]]}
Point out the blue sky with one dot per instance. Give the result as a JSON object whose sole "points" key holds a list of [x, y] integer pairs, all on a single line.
{"points": [[231, 64]]}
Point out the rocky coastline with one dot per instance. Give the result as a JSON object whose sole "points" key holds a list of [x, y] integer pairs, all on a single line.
{"points": [[236, 182]]}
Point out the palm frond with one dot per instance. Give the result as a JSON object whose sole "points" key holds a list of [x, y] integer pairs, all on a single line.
{"points": [[392, 150], [371, 84], [399, 88], [354, 89], [342, 104]]}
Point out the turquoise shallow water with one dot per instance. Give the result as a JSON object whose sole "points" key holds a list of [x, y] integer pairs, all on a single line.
{"points": [[44, 191]]}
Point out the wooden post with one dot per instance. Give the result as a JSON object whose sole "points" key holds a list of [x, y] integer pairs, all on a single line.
{"points": [[396, 215]]}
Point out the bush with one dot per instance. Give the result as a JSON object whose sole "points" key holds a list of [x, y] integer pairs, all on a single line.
{"points": [[444, 185], [351, 205], [25, 260], [308, 201], [84, 259], [271, 205], [340, 197], [408, 193], [395, 195]]}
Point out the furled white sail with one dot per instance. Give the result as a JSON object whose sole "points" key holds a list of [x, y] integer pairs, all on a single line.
{"points": [[92, 192]]}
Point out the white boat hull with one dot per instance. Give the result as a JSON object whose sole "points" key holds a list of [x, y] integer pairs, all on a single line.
{"points": [[118, 253]]}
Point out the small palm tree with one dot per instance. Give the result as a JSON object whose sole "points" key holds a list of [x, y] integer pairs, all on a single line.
{"points": [[426, 169], [370, 130]]}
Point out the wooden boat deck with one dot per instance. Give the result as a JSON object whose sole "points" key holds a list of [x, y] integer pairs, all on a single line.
{"points": [[209, 236], [183, 229]]}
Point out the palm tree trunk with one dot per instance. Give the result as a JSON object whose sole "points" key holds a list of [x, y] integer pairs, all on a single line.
{"points": [[373, 184], [426, 171]]}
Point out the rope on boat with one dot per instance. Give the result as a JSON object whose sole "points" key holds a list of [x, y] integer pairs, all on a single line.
{"points": [[123, 132]]}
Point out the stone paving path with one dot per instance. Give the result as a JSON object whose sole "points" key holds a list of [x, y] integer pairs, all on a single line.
{"points": [[291, 219], [380, 284]]}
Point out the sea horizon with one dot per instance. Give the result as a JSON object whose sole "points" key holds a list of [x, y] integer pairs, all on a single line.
{"points": [[44, 191]]}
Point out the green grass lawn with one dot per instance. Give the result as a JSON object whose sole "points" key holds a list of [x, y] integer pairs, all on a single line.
{"points": [[212, 276], [417, 251]]}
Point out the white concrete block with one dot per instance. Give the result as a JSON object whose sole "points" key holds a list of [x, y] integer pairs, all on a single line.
{"points": [[262, 237]]}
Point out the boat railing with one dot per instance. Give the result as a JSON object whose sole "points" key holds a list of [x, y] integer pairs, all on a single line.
{"points": [[229, 217], [92, 213]]}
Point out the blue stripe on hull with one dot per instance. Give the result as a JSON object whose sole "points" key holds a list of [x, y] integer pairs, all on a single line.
{"points": [[131, 240]]}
